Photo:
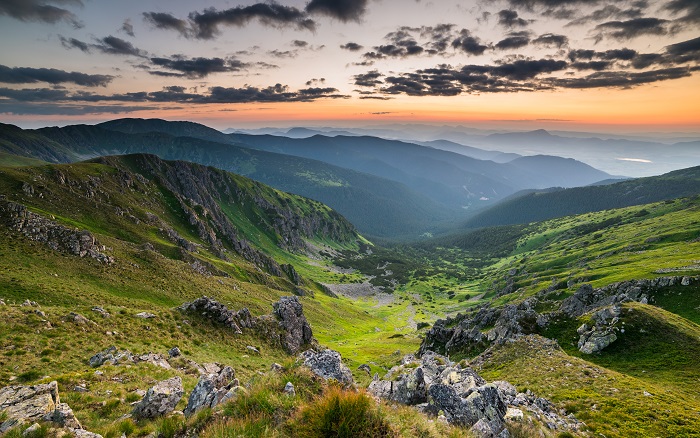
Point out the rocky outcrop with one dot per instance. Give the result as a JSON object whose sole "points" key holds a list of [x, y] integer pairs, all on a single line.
{"points": [[160, 399], [587, 299], [596, 338], [220, 314], [296, 329], [438, 386], [212, 390], [487, 326], [327, 364], [25, 404], [286, 327], [57, 237]]}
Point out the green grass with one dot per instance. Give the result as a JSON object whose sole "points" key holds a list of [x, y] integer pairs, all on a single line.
{"points": [[609, 402], [9, 160]]}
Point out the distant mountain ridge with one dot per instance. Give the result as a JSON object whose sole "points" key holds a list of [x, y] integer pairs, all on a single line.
{"points": [[376, 206], [542, 205]]}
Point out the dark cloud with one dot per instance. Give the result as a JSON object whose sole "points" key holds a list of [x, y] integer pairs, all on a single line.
{"points": [[469, 44], [522, 69], [621, 79], [353, 47], [161, 20], [369, 79], [684, 52], [690, 9], [196, 67], [690, 47], [618, 54], [509, 18], [127, 27], [444, 80], [439, 37], [315, 81], [606, 13], [549, 4], [300, 43], [206, 24], [283, 53], [41, 10], [178, 94], [551, 40], [275, 93], [28, 108], [625, 30], [591, 65], [560, 13], [343, 10], [117, 46], [27, 75], [72, 43], [515, 40]]}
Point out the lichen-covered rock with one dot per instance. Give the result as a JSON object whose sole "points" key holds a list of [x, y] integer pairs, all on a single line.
{"points": [[23, 404], [210, 390], [27, 403], [327, 364], [63, 416], [160, 399], [408, 389], [596, 340], [296, 329]]}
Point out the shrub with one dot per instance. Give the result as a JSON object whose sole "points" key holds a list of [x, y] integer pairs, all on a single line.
{"points": [[341, 414]]}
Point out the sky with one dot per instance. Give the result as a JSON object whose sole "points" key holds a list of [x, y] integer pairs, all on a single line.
{"points": [[512, 64]]}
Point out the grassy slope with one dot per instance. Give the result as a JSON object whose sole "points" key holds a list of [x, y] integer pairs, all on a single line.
{"points": [[152, 281], [539, 206], [611, 403], [9, 160]]}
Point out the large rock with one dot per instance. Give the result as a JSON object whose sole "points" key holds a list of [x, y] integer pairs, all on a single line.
{"points": [[211, 390], [27, 403], [219, 313], [24, 404], [296, 329], [408, 389], [327, 364], [160, 400]]}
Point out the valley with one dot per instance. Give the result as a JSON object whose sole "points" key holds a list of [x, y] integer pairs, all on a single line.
{"points": [[586, 298]]}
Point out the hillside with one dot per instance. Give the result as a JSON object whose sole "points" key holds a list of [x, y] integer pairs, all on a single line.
{"points": [[162, 233], [542, 205], [376, 206]]}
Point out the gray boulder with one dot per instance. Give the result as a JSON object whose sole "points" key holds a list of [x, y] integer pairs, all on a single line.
{"points": [[327, 364], [296, 329], [23, 404], [159, 400], [596, 340], [210, 390], [408, 389], [111, 355], [27, 403]]}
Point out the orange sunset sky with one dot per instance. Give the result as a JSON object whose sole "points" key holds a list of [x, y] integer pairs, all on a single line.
{"points": [[498, 64]]}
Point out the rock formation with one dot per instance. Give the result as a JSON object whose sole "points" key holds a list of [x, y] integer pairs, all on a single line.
{"points": [[160, 399], [327, 364], [57, 237]]}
